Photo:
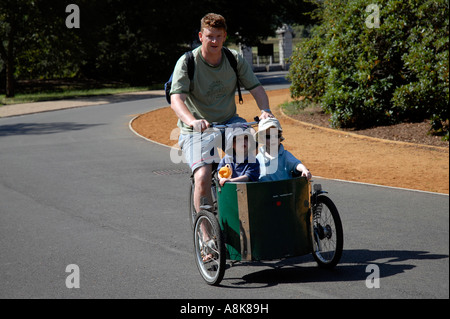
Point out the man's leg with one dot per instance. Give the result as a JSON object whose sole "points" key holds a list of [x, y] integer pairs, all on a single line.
{"points": [[202, 192], [202, 177], [200, 151]]}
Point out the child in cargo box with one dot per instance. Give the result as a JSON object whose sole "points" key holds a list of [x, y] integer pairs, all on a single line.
{"points": [[275, 162], [239, 163]]}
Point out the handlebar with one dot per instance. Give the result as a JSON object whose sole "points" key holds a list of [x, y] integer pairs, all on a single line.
{"points": [[242, 124]]}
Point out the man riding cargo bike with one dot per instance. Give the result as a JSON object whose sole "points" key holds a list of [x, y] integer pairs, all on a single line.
{"points": [[210, 97], [231, 219]]}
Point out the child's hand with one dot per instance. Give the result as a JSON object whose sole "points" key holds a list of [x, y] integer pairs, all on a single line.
{"points": [[223, 180], [225, 172], [307, 174]]}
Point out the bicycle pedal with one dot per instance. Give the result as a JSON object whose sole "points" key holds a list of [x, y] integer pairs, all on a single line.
{"points": [[206, 207]]}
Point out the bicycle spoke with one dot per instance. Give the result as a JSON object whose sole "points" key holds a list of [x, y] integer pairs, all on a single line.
{"points": [[209, 258]]}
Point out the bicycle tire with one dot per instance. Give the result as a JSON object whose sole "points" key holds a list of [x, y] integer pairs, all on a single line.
{"points": [[327, 233], [192, 212], [209, 245]]}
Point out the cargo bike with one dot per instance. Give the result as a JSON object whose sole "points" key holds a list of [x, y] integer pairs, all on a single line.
{"points": [[263, 221]]}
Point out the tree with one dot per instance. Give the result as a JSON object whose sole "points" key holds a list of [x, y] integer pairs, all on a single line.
{"points": [[252, 21], [35, 42], [136, 42], [140, 41], [366, 75], [14, 17]]}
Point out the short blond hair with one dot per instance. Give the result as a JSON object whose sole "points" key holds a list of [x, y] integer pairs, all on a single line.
{"points": [[213, 20]]}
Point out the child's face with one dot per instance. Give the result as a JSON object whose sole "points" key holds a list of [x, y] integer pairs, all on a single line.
{"points": [[240, 145], [272, 138]]}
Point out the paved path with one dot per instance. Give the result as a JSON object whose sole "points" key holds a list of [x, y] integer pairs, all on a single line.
{"points": [[78, 187], [38, 107]]}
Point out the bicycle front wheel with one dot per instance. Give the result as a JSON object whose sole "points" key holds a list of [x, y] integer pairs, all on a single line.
{"points": [[327, 233], [209, 248]]}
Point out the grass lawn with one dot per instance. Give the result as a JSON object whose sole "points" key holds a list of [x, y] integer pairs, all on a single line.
{"points": [[35, 91]]}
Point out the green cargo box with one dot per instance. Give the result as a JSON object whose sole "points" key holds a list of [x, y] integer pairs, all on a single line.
{"points": [[265, 220]]}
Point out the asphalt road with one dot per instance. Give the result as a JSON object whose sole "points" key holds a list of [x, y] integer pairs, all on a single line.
{"points": [[77, 187]]}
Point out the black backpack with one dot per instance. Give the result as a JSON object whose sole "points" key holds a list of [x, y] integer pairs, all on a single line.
{"points": [[191, 69]]}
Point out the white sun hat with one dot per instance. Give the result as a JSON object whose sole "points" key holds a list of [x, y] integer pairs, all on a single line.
{"points": [[231, 133], [266, 124]]}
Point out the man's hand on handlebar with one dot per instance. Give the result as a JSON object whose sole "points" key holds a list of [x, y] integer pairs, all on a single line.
{"points": [[199, 125], [265, 114]]}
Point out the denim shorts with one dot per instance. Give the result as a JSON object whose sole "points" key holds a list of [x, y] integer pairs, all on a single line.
{"points": [[200, 149]]}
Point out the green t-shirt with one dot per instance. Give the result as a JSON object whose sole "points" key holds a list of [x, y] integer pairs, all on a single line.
{"points": [[211, 95]]}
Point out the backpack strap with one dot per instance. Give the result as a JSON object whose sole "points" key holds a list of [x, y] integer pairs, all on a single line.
{"points": [[231, 59], [233, 63], [191, 69], [190, 64]]}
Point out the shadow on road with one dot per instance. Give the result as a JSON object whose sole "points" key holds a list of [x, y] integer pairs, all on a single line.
{"points": [[41, 128], [352, 267], [122, 97]]}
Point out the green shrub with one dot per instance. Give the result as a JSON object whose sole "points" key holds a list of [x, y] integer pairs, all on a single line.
{"points": [[367, 76]]}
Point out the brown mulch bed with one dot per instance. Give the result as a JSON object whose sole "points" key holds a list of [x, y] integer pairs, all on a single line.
{"points": [[406, 132], [340, 156]]}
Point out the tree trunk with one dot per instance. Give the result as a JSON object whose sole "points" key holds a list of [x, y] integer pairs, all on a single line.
{"points": [[10, 68], [10, 92]]}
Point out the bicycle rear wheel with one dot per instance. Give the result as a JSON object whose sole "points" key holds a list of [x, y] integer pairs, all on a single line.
{"points": [[192, 212], [327, 233], [209, 248]]}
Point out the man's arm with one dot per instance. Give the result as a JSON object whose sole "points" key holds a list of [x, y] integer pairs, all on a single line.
{"points": [[179, 107], [262, 100]]}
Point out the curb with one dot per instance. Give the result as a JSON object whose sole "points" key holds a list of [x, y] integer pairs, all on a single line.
{"points": [[364, 137], [130, 125]]}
